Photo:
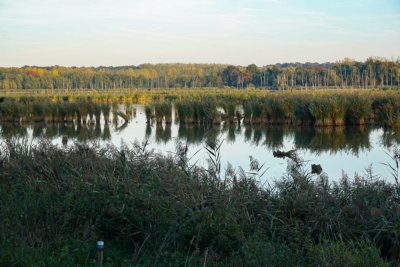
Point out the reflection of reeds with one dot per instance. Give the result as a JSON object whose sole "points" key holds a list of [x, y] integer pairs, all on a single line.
{"points": [[38, 129], [163, 134], [10, 130], [97, 132], [149, 113], [106, 132], [148, 131], [257, 135], [67, 129], [51, 130], [274, 137], [231, 137], [83, 133], [192, 134], [358, 139], [248, 133], [390, 138]]}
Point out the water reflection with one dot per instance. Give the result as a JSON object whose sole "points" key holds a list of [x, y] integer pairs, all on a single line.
{"points": [[317, 140], [390, 138], [333, 139], [163, 133], [11, 130], [192, 134], [83, 133]]}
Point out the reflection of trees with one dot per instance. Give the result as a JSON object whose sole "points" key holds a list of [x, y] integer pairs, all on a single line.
{"points": [[390, 138]]}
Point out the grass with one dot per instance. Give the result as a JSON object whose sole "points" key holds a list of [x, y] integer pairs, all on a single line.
{"points": [[318, 108], [154, 210]]}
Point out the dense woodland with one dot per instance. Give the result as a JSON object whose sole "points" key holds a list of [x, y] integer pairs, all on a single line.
{"points": [[374, 72]]}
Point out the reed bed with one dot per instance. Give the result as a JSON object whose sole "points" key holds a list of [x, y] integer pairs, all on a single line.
{"points": [[153, 210], [321, 108], [44, 110]]}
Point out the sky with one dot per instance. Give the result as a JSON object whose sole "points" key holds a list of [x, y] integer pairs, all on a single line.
{"points": [[239, 32]]}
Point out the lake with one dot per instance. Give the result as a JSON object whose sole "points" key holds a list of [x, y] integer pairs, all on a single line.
{"points": [[336, 149]]}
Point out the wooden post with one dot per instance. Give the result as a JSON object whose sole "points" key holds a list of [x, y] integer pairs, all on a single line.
{"points": [[100, 250]]}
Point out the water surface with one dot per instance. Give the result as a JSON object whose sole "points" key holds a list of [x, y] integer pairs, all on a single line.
{"points": [[337, 149]]}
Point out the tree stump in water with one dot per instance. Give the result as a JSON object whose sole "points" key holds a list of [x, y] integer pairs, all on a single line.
{"points": [[282, 154], [65, 140], [316, 169]]}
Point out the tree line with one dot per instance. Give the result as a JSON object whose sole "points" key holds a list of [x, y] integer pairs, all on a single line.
{"points": [[347, 73]]}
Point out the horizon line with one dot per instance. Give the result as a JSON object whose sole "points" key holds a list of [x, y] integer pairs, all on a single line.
{"points": [[392, 59]]}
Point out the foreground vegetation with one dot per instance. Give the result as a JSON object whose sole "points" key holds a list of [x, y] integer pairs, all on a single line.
{"points": [[153, 210], [323, 108]]}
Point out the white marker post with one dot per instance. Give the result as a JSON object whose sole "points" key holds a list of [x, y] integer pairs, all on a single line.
{"points": [[100, 250]]}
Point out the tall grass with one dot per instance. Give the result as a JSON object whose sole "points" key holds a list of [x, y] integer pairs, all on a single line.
{"points": [[154, 210], [322, 108]]}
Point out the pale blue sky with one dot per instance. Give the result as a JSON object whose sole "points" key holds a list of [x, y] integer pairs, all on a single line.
{"points": [[130, 32]]}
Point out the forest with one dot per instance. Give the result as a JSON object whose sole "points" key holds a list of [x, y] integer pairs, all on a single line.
{"points": [[374, 72]]}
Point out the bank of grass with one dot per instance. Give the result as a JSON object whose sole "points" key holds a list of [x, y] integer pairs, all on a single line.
{"points": [[152, 210]]}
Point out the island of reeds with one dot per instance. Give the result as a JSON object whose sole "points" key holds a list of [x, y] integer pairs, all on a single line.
{"points": [[212, 106]]}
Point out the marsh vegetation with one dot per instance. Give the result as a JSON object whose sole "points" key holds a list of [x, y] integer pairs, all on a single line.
{"points": [[325, 108], [164, 210], [157, 210]]}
